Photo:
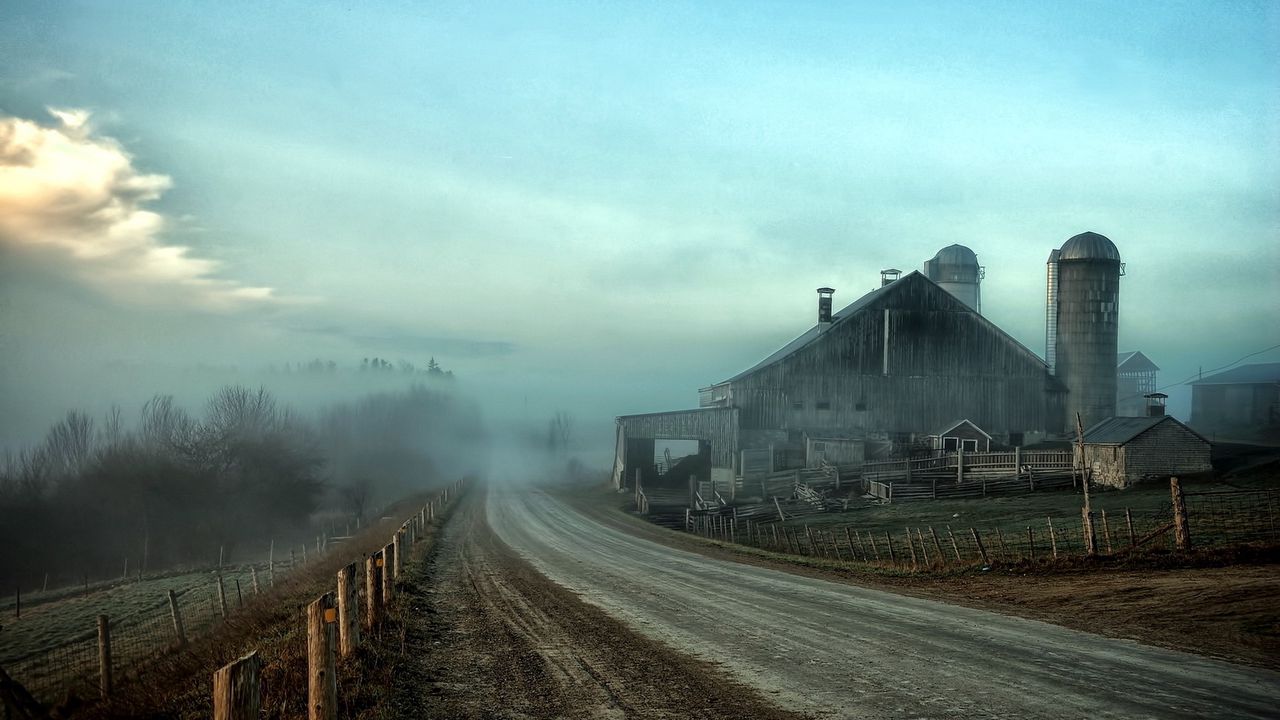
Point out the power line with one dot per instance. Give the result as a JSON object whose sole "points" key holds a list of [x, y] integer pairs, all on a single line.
{"points": [[1201, 373], [1224, 367]]}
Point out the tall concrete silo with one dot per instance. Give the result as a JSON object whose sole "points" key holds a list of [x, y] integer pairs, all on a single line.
{"points": [[1088, 271], [955, 268]]}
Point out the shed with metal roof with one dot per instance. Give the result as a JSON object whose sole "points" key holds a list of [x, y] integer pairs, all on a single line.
{"points": [[1122, 451]]}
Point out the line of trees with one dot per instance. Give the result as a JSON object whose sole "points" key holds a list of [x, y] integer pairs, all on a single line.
{"points": [[175, 488]]}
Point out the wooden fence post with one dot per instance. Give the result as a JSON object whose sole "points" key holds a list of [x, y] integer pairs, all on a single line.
{"points": [[322, 680], [237, 691], [1031, 541], [893, 557], [271, 563], [104, 656], [1053, 537], [373, 589], [177, 619], [348, 611], [222, 597], [924, 552], [874, 549], [1128, 520], [1106, 531], [942, 557], [239, 596], [253, 571], [955, 547], [1181, 531], [397, 554], [982, 550], [388, 575]]}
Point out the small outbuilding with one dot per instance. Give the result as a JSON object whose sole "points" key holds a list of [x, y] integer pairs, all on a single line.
{"points": [[962, 435], [1122, 451]]}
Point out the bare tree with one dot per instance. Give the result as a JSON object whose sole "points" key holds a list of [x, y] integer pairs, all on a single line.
{"points": [[559, 431], [69, 444], [357, 495]]}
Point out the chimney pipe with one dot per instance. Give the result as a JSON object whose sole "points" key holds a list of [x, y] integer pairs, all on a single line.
{"points": [[824, 305]]}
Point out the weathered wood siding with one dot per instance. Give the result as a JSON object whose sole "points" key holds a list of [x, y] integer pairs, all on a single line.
{"points": [[1166, 449], [1169, 448], [944, 362], [717, 426]]}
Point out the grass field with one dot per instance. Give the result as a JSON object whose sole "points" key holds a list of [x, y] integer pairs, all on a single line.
{"points": [[1012, 515]]}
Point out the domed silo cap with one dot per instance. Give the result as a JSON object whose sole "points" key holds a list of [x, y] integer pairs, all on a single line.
{"points": [[956, 255], [1089, 246]]}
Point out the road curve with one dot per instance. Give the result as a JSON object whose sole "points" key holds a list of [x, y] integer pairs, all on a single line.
{"points": [[838, 650]]}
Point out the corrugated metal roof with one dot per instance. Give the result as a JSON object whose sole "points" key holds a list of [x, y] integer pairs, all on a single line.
{"points": [[1135, 362], [1244, 375], [1120, 430]]}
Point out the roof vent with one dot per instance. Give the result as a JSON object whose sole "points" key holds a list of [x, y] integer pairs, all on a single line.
{"points": [[1155, 404], [889, 275]]}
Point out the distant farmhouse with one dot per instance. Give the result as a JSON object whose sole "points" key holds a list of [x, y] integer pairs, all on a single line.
{"points": [[1243, 401], [912, 366]]}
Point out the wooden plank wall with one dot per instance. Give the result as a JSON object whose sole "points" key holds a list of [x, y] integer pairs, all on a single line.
{"points": [[945, 362], [718, 426]]}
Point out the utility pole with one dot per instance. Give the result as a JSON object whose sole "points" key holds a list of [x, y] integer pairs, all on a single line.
{"points": [[1090, 539]]}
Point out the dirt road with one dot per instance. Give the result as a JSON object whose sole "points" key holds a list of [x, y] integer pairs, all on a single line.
{"points": [[487, 636], [844, 651]]}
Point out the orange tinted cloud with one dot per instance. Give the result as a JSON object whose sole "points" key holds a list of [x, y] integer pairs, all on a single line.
{"points": [[67, 189]]}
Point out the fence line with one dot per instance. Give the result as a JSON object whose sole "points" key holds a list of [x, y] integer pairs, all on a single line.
{"points": [[1212, 520], [73, 666]]}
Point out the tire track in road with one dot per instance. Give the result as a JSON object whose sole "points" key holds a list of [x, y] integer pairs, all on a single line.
{"points": [[847, 651], [488, 636]]}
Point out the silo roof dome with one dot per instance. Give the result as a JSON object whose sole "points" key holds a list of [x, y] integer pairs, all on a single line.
{"points": [[1089, 246], [956, 255]]}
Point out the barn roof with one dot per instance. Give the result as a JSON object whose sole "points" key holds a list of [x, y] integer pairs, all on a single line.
{"points": [[1120, 430], [860, 305], [1250, 374], [1134, 361]]}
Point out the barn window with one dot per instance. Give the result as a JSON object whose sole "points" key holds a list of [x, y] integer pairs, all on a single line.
{"points": [[969, 445], [950, 444], [822, 405]]}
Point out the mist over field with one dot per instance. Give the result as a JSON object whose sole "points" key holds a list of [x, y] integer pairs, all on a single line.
{"points": [[591, 211]]}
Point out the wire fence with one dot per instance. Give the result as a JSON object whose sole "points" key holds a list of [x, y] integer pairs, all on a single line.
{"points": [[1233, 517], [1212, 520], [72, 665]]}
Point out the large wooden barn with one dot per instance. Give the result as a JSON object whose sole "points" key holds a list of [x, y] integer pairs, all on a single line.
{"points": [[880, 375]]}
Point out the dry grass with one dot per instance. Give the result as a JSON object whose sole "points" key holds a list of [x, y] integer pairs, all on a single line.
{"points": [[177, 685]]}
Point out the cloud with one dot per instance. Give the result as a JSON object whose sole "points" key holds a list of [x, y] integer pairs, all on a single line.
{"points": [[68, 190]]}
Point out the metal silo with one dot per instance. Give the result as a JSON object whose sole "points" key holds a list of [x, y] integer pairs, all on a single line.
{"points": [[955, 268], [1088, 322]]}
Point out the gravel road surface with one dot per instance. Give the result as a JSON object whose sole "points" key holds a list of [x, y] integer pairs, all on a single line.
{"points": [[836, 650], [487, 637]]}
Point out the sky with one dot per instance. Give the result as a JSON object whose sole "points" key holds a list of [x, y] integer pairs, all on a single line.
{"points": [[604, 206]]}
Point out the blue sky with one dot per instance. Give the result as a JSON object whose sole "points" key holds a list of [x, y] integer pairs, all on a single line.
{"points": [[551, 196]]}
